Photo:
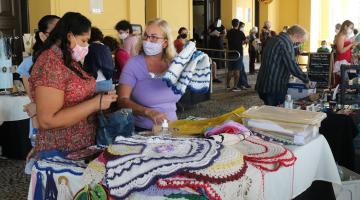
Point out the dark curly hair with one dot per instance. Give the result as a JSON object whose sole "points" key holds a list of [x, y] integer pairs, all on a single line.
{"points": [[96, 35], [71, 22], [111, 42], [124, 25]]}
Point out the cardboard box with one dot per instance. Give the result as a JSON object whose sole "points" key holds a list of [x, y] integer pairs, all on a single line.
{"points": [[350, 188]]}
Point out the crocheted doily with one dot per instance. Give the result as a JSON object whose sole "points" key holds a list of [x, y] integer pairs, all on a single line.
{"points": [[265, 155], [142, 161], [60, 165], [180, 182], [228, 166]]}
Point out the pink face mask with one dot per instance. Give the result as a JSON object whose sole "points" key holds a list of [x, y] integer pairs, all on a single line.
{"points": [[79, 52]]}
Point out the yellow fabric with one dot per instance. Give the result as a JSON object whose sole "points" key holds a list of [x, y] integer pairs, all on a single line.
{"points": [[197, 127]]}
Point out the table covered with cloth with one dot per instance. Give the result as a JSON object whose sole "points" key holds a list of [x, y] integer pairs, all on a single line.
{"points": [[11, 108], [244, 177], [14, 127]]}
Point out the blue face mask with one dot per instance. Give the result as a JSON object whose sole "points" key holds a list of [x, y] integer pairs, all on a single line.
{"points": [[152, 48]]}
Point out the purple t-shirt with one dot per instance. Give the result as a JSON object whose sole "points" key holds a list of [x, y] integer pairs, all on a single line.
{"points": [[147, 91]]}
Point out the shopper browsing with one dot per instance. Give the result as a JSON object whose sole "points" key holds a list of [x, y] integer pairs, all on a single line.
{"points": [[277, 64]]}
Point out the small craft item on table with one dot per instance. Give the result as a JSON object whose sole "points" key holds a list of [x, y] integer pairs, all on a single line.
{"points": [[189, 69], [59, 177], [198, 127], [297, 126], [135, 164], [229, 127]]}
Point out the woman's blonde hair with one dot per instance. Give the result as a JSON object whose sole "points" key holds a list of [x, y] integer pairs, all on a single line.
{"points": [[169, 52]]}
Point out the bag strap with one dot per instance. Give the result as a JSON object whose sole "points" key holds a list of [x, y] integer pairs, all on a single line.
{"points": [[100, 102]]}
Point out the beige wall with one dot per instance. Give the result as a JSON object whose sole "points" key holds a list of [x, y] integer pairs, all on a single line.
{"points": [[114, 11], [178, 13], [37, 9]]}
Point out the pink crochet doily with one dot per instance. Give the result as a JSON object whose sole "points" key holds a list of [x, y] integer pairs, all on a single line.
{"points": [[267, 156], [180, 182]]}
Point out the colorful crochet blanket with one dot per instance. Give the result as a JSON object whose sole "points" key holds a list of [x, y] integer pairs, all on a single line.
{"points": [[189, 69], [134, 164]]}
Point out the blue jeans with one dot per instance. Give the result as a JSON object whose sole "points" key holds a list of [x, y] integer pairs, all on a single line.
{"points": [[103, 86], [272, 99], [243, 77]]}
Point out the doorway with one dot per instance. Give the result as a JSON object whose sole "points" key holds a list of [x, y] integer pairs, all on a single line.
{"points": [[204, 13]]}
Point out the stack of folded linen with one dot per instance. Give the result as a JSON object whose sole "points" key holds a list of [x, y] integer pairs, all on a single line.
{"points": [[284, 125]]}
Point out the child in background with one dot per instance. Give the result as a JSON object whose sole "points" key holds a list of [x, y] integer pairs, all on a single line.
{"points": [[323, 48]]}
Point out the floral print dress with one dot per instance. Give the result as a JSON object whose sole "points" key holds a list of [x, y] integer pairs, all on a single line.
{"points": [[50, 71]]}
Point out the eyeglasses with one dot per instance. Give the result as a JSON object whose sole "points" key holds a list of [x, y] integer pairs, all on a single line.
{"points": [[153, 38]]}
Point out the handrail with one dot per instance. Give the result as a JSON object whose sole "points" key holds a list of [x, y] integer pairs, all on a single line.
{"points": [[225, 51]]}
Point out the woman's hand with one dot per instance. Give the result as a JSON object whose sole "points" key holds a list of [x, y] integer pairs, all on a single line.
{"points": [[104, 100], [30, 109], [155, 116], [354, 44], [30, 155]]}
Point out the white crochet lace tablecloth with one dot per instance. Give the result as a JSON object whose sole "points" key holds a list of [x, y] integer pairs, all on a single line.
{"points": [[314, 162], [11, 108]]}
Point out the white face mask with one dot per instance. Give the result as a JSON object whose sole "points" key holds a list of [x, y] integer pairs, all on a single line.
{"points": [[323, 46], [218, 23], [350, 33], [123, 36], [337, 31], [78, 52], [152, 48]]}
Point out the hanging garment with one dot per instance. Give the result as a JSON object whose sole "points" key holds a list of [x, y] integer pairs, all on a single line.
{"points": [[189, 69]]}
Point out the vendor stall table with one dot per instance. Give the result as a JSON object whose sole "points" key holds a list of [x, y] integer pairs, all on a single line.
{"points": [[14, 126], [314, 162], [11, 108]]}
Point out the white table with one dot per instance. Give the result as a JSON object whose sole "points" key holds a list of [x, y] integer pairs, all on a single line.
{"points": [[314, 162], [11, 108]]}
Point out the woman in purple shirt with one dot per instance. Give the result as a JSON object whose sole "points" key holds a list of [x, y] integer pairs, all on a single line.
{"points": [[141, 86]]}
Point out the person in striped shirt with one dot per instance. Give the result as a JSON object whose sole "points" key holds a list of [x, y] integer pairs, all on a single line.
{"points": [[277, 64]]}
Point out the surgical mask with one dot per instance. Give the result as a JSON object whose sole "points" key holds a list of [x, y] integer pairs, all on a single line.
{"points": [[218, 23], [78, 52], [123, 36], [297, 45], [183, 35], [337, 31], [152, 48], [350, 33], [323, 46]]}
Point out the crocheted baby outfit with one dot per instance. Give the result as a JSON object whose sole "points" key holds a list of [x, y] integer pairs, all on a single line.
{"points": [[189, 69]]}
